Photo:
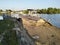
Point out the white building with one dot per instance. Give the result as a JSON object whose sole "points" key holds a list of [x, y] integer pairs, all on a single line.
{"points": [[15, 15], [1, 17]]}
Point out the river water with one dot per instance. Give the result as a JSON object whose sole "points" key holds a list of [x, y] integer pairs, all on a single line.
{"points": [[54, 19]]}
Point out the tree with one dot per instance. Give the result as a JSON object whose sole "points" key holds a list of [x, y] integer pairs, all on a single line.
{"points": [[1, 11], [43, 11], [50, 10], [8, 12], [25, 11], [38, 11]]}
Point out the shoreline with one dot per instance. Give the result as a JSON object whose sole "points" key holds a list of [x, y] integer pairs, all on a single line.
{"points": [[46, 33]]}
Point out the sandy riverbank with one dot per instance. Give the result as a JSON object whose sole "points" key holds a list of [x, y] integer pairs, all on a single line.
{"points": [[48, 34]]}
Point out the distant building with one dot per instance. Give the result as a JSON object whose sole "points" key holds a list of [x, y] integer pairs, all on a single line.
{"points": [[21, 12], [1, 17], [15, 15], [32, 12]]}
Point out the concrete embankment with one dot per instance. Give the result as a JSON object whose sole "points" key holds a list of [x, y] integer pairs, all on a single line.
{"points": [[48, 34]]}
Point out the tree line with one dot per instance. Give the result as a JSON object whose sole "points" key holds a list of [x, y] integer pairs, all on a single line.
{"points": [[44, 11], [39, 11], [6, 11], [49, 11]]}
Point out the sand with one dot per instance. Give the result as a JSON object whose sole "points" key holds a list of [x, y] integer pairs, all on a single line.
{"points": [[48, 34]]}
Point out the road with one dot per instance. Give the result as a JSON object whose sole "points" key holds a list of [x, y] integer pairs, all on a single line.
{"points": [[23, 36]]}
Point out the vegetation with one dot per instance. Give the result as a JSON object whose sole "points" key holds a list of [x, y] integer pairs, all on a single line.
{"points": [[9, 38], [6, 25], [44, 11], [48, 11], [1, 11], [25, 11], [40, 11], [8, 12]]}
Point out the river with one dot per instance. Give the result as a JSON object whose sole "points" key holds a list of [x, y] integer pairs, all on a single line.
{"points": [[54, 19]]}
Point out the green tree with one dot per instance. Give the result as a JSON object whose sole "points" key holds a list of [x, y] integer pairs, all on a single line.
{"points": [[38, 11], [58, 11], [8, 12], [50, 11], [1, 11], [43, 11], [25, 11]]}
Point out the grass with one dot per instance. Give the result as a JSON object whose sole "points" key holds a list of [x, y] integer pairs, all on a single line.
{"points": [[5, 25], [10, 37]]}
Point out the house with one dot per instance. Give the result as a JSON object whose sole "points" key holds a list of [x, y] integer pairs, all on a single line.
{"points": [[1, 17]]}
